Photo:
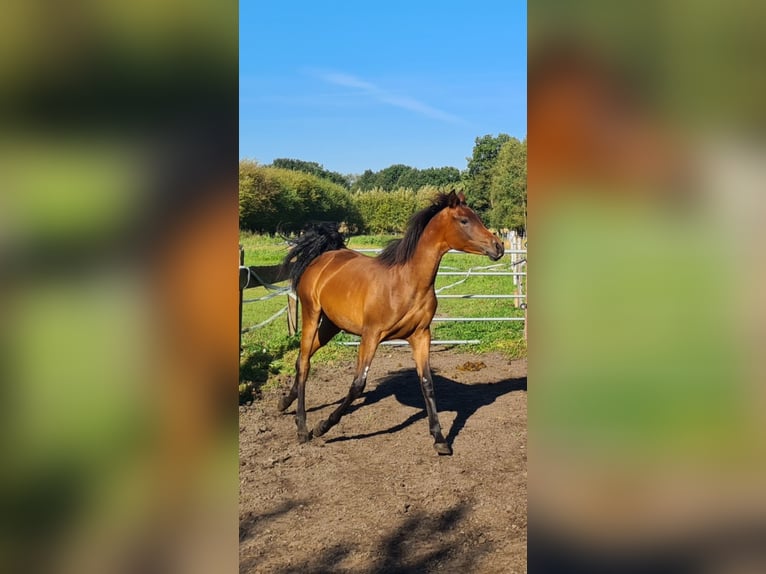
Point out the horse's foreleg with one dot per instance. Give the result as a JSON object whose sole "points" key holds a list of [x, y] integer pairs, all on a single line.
{"points": [[421, 349], [286, 400], [367, 348]]}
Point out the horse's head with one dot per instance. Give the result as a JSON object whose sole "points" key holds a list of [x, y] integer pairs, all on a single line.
{"points": [[464, 230]]}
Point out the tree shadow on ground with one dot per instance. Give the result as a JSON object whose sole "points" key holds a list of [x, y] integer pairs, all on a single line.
{"points": [[423, 542], [250, 521], [463, 399]]}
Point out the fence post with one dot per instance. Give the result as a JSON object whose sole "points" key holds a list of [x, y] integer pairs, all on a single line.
{"points": [[515, 244], [523, 244], [241, 291]]}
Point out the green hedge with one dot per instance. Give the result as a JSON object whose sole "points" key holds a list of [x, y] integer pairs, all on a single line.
{"points": [[388, 212], [274, 199]]}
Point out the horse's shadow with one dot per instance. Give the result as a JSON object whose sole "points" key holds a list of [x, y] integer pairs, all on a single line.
{"points": [[463, 399]]}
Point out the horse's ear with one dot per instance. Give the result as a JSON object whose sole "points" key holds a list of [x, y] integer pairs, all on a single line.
{"points": [[453, 200], [461, 197]]}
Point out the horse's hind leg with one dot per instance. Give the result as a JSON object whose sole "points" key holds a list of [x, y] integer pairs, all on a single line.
{"points": [[367, 347], [421, 348], [324, 332]]}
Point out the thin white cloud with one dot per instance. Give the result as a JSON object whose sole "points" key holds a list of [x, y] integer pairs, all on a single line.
{"points": [[385, 97], [348, 81]]}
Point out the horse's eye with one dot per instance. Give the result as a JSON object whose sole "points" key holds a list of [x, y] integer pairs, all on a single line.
{"points": [[464, 221]]}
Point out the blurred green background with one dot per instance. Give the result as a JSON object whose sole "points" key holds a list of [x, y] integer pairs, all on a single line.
{"points": [[117, 121]]}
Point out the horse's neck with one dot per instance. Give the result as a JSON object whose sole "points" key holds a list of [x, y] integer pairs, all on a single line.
{"points": [[424, 264]]}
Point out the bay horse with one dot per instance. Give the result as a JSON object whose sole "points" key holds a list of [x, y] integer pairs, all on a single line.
{"points": [[390, 296]]}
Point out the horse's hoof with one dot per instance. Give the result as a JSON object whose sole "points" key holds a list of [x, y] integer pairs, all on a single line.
{"points": [[304, 437], [442, 448], [320, 429], [283, 403]]}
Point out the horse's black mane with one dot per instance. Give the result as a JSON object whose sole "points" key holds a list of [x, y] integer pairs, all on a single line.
{"points": [[315, 240], [400, 251]]}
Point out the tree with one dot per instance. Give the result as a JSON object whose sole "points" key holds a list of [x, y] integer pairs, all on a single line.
{"points": [[388, 178], [508, 186], [403, 176], [366, 181], [479, 173], [313, 168], [435, 176]]}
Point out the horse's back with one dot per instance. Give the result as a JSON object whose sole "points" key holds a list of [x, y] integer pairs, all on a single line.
{"points": [[338, 267], [338, 283]]}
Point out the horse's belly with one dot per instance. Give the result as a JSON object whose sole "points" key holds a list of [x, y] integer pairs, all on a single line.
{"points": [[344, 321], [359, 298], [410, 322], [343, 312], [390, 322]]}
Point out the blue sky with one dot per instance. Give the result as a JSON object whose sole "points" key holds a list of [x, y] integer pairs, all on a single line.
{"points": [[359, 85]]}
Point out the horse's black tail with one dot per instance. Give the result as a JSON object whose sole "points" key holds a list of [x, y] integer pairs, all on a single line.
{"points": [[309, 245]]}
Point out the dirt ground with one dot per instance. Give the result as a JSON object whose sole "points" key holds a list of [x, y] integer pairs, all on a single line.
{"points": [[372, 495]]}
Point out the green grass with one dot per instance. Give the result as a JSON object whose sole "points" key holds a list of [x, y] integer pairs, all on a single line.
{"points": [[262, 249], [270, 351]]}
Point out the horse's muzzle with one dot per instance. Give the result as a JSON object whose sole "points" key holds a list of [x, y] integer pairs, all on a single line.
{"points": [[498, 251]]}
